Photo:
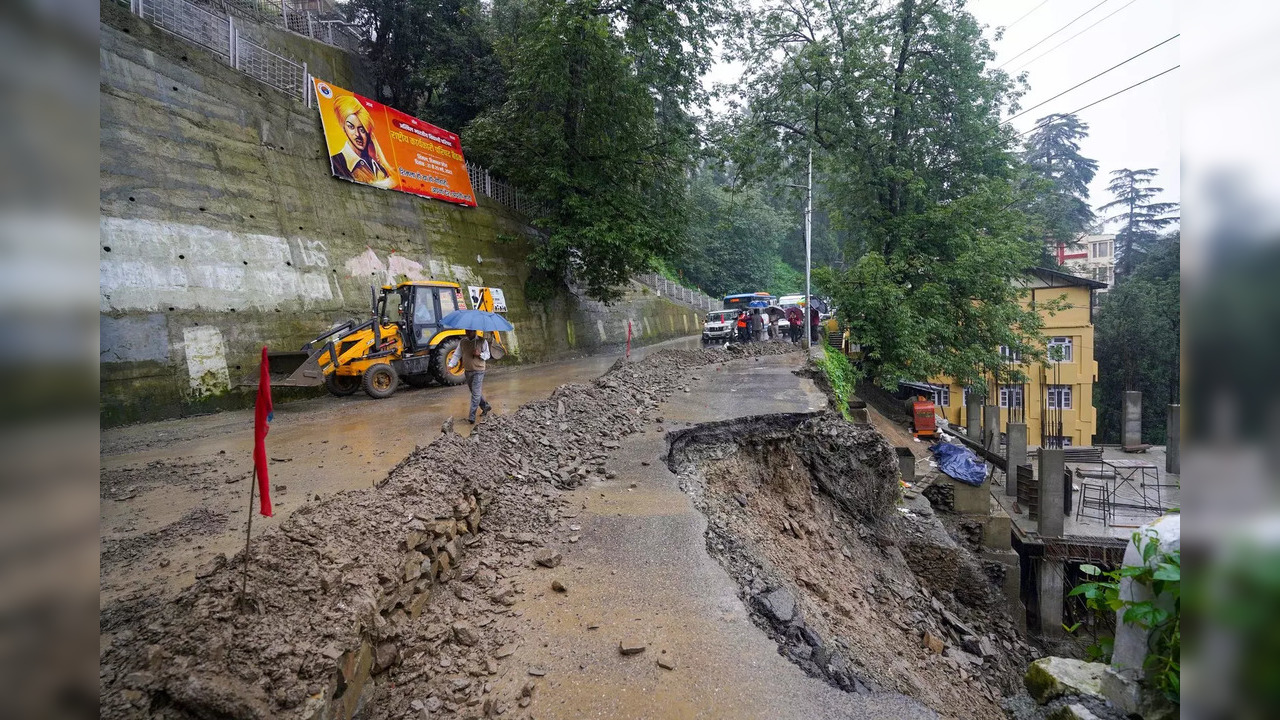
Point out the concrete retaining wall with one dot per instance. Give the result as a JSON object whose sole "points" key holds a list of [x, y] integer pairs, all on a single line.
{"points": [[222, 230]]}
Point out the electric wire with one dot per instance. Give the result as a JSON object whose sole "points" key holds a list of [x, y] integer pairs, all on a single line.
{"points": [[1073, 37], [1055, 32], [1024, 17], [1095, 77], [1095, 102]]}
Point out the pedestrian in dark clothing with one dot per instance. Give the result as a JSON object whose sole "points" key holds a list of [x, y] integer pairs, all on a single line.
{"points": [[744, 331], [813, 323], [757, 326], [795, 320]]}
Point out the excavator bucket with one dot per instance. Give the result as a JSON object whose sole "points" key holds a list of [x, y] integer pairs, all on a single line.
{"points": [[292, 369]]}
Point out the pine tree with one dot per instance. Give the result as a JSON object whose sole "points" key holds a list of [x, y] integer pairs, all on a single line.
{"points": [[1142, 219], [1053, 155]]}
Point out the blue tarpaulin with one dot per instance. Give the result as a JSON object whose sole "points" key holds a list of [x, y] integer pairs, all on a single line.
{"points": [[959, 462]]}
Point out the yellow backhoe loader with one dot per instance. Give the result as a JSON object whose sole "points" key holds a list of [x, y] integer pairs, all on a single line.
{"points": [[402, 340]]}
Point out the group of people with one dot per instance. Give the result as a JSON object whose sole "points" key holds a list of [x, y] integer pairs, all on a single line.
{"points": [[757, 324]]}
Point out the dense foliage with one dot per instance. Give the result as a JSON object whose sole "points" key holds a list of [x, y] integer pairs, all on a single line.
{"points": [[596, 125], [431, 58], [903, 115], [731, 244], [1138, 336]]}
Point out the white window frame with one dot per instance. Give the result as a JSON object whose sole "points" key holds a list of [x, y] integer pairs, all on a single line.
{"points": [[1066, 344], [942, 396], [1101, 249], [1010, 355], [1015, 391], [1059, 397], [1066, 440]]}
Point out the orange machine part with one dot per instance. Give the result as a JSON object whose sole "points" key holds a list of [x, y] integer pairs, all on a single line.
{"points": [[922, 413]]}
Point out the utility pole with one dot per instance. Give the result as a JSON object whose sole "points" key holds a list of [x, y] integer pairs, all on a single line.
{"points": [[808, 264]]}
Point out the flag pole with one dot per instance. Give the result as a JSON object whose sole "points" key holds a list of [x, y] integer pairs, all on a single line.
{"points": [[244, 578]]}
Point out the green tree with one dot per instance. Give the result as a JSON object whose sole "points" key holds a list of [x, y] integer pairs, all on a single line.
{"points": [[1052, 155], [732, 240], [1138, 337], [917, 174], [431, 58], [1140, 216], [596, 125]]}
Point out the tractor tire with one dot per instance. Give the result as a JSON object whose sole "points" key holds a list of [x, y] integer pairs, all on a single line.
{"points": [[418, 381], [341, 385], [380, 381], [444, 374]]}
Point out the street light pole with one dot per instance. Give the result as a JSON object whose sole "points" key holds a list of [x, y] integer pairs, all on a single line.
{"points": [[808, 264]]}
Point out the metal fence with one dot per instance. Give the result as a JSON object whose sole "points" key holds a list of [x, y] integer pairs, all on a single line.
{"points": [[277, 71], [695, 299], [327, 30], [192, 23]]}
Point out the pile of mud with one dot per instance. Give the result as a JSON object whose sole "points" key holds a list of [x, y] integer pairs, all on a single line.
{"points": [[402, 591], [801, 512]]}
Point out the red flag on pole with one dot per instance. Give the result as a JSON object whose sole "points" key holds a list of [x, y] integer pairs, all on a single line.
{"points": [[261, 423]]}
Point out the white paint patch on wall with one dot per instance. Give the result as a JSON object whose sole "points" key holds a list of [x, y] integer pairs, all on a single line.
{"points": [[366, 266], [154, 266], [600, 329], [401, 268], [206, 360]]}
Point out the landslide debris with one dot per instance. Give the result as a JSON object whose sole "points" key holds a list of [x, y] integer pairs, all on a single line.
{"points": [[394, 601], [801, 511]]}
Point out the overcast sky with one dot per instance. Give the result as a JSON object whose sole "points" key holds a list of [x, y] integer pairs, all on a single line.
{"points": [[1137, 129]]}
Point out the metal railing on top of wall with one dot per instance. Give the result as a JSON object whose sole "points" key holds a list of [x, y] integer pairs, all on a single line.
{"points": [[218, 33], [695, 299]]}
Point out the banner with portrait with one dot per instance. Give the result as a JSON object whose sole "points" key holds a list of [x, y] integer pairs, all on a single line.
{"points": [[372, 144]]}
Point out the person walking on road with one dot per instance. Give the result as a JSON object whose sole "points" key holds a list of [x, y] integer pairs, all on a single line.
{"points": [[473, 353], [744, 331], [813, 323], [757, 326]]}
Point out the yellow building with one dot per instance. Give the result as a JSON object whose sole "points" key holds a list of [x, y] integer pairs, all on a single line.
{"points": [[1055, 392]]}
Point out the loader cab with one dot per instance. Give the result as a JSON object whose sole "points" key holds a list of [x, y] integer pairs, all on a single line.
{"points": [[417, 310]]}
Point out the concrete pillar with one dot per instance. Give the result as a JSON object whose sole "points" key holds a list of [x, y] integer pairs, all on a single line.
{"points": [[1050, 582], [973, 417], [1052, 512], [906, 464], [1131, 434], [991, 428], [1173, 441], [1016, 455]]}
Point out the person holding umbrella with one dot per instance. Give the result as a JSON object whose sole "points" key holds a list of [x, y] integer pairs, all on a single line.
{"points": [[474, 351]]}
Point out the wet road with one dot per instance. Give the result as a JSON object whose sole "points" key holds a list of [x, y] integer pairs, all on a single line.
{"points": [[175, 493], [640, 573]]}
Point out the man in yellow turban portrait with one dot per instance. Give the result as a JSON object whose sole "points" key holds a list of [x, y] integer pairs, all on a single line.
{"points": [[361, 159]]}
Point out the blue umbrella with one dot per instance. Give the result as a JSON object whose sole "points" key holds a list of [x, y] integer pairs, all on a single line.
{"points": [[758, 303], [477, 320]]}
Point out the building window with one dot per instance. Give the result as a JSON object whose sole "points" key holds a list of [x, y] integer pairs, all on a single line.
{"points": [[1010, 396], [1060, 349], [1101, 249], [1061, 441], [1059, 397], [1009, 354], [942, 396]]}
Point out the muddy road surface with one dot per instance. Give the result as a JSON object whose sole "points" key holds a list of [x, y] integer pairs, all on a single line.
{"points": [[174, 494]]}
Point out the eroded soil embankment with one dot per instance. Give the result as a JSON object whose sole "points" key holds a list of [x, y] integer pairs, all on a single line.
{"points": [[801, 512], [396, 599]]}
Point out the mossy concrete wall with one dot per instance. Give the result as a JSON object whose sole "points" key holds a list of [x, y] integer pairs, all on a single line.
{"points": [[222, 231]]}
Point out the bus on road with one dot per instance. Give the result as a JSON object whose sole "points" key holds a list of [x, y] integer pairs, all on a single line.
{"points": [[733, 302]]}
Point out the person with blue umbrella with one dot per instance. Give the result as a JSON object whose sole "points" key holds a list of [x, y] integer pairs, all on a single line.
{"points": [[474, 351]]}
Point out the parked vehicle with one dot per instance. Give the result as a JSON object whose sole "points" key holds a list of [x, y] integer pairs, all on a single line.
{"points": [[719, 326]]}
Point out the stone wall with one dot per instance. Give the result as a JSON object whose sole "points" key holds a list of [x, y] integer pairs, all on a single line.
{"points": [[222, 230]]}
